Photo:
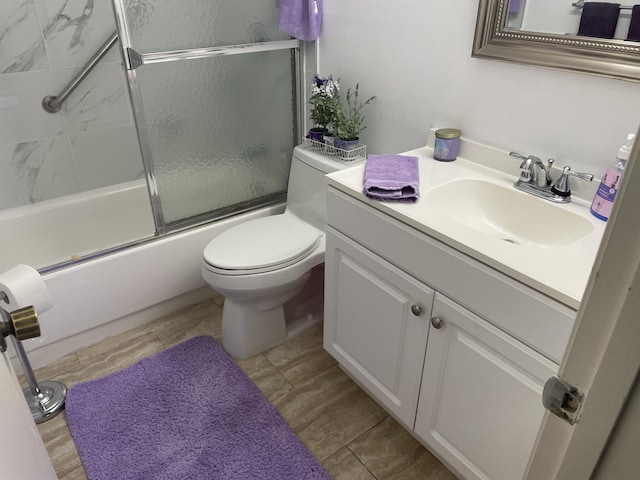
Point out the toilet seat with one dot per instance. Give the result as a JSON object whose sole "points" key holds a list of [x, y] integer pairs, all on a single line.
{"points": [[261, 245]]}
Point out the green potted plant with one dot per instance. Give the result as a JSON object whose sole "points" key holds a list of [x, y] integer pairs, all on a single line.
{"points": [[349, 120], [324, 103]]}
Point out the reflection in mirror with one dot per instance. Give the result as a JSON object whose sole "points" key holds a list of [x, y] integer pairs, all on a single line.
{"points": [[601, 38], [515, 14], [596, 19]]}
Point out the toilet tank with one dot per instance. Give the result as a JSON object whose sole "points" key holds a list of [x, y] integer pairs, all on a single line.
{"points": [[307, 189]]}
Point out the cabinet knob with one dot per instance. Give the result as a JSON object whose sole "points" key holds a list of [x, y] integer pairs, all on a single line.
{"points": [[436, 322], [416, 310]]}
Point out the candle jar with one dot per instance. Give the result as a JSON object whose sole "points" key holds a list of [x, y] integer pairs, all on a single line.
{"points": [[447, 144]]}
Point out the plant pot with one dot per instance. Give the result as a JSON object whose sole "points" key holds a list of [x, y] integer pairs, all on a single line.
{"points": [[329, 139], [317, 134], [343, 144]]}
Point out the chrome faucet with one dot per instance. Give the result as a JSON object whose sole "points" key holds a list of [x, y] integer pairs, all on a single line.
{"points": [[535, 178], [534, 171]]}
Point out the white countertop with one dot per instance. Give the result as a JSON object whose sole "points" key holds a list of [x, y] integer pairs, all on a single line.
{"points": [[561, 272]]}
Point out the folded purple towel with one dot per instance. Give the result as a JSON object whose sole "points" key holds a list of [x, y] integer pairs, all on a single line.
{"points": [[599, 19], [634, 26], [392, 177]]}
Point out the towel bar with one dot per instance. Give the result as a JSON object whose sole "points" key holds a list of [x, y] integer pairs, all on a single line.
{"points": [[580, 4]]}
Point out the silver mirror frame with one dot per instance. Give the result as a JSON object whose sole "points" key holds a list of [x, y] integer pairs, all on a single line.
{"points": [[609, 58]]}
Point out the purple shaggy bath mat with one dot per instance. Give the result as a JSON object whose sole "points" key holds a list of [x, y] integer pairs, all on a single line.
{"points": [[186, 413]]}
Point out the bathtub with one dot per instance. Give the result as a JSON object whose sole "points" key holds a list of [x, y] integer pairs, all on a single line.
{"points": [[74, 226], [106, 294]]}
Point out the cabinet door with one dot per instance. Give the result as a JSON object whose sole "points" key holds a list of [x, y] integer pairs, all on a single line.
{"points": [[480, 404], [376, 324]]}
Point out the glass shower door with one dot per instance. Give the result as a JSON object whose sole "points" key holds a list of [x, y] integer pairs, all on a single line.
{"points": [[213, 84]]}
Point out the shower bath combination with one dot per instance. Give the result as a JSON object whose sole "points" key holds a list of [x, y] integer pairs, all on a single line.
{"points": [[215, 153], [199, 99]]}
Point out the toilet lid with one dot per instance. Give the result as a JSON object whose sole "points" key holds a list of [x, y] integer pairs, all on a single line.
{"points": [[262, 244]]}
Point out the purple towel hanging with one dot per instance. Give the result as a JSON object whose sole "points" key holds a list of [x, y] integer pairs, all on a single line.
{"points": [[515, 6], [634, 26], [301, 19], [599, 19]]}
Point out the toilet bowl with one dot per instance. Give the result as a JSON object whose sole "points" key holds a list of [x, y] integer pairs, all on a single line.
{"points": [[263, 263]]}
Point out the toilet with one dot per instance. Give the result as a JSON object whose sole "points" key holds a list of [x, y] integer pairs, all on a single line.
{"points": [[270, 269]]}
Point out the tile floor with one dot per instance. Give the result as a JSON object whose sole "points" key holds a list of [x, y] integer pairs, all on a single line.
{"points": [[353, 437]]}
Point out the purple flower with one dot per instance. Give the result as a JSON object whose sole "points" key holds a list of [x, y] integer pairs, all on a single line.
{"points": [[324, 100]]}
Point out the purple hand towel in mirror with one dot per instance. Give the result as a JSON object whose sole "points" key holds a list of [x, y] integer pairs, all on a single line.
{"points": [[634, 26], [301, 19], [392, 177], [515, 5], [599, 19]]}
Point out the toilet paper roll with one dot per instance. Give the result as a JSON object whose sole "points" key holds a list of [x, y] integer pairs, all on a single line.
{"points": [[23, 287]]}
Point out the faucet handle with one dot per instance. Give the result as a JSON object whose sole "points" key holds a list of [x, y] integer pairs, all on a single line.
{"points": [[562, 188], [526, 167], [525, 158], [517, 155]]}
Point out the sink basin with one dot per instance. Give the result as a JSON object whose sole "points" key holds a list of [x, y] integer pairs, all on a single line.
{"points": [[506, 213]]}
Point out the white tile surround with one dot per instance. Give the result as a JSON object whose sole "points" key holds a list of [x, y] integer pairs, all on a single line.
{"points": [[91, 142]]}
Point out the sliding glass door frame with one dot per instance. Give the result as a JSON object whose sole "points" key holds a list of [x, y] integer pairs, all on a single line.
{"points": [[134, 60]]}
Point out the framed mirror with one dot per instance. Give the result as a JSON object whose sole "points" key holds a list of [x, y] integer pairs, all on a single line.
{"points": [[500, 36]]}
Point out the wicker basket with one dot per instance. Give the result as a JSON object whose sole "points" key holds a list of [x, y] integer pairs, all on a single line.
{"points": [[358, 153]]}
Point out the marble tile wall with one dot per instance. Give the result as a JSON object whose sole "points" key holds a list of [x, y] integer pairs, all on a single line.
{"points": [[91, 142]]}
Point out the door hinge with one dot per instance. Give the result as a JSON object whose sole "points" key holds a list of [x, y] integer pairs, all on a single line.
{"points": [[562, 399]]}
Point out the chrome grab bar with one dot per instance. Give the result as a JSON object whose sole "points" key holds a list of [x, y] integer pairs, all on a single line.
{"points": [[53, 103]]}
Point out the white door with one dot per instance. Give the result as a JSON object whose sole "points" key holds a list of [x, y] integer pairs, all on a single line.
{"points": [[603, 357], [22, 453]]}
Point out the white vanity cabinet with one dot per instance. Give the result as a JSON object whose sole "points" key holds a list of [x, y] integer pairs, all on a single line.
{"points": [[379, 324], [480, 403], [453, 349]]}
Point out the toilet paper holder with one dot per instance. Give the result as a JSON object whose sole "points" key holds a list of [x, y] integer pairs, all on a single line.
{"points": [[22, 324], [45, 399]]}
